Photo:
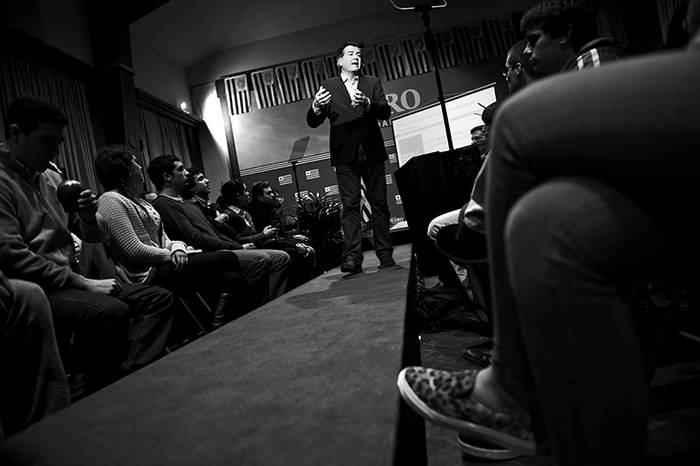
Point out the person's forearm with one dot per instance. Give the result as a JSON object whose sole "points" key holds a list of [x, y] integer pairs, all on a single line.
{"points": [[91, 232]]}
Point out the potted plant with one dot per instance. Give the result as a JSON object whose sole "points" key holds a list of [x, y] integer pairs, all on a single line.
{"points": [[319, 219]]}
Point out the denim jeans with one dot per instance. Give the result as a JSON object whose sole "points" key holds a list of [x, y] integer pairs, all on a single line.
{"points": [[34, 383], [273, 273], [630, 130], [576, 250], [112, 334]]}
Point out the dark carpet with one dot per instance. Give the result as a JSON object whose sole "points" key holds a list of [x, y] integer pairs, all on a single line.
{"points": [[309, 378]]}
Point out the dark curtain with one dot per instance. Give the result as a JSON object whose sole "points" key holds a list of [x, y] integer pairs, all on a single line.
{"points": [[162, 135], [19, 77]]}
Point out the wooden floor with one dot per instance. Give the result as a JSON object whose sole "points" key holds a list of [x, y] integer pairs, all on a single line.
{"points": [[674, 426]]}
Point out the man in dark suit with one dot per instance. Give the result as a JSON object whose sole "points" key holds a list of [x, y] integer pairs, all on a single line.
{"points": [[353, 103]]}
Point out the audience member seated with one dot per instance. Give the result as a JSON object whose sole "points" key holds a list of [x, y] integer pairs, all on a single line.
{"points": [[144, 253], [264, 208], [560, 36], [197, 191], [563, 36], [109, 326], [554, 32], [459, 234], [480, 137], [265, 271], [572, 226], [34, 383], [233, 200], [466, 251]]}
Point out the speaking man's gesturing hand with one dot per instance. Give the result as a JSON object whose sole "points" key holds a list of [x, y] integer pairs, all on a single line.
{"points": [[322, 98]]}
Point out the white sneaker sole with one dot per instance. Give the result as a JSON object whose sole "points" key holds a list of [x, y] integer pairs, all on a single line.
{"points": [[478, 449]]}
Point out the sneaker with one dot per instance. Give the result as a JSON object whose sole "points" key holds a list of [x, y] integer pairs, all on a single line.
{"points": [[444, 398], [485, 450], [479, 356]]}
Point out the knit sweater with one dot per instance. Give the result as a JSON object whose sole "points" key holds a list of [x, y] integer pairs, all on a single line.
{"points": [[138, 243]]}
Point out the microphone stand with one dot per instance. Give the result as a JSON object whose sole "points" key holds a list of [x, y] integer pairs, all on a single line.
{"points": [[432, 47]]}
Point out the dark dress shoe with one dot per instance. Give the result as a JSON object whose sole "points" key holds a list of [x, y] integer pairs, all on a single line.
{"points": [[350, 266], [387, 263]]}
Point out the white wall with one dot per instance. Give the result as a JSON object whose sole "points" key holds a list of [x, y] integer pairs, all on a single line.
{"points": [[158, 75]]}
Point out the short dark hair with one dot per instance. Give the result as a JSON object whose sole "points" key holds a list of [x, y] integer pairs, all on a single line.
{"points": [[489, 113], [258, 189], [476, 128], [157, 167], [341, 49], [112, 166], [192, 172], [555, 17], [28, 111], [231, 190], [516, 53]]}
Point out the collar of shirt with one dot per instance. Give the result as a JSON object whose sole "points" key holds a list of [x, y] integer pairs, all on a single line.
{"points": [[174, 198], [206, 203], [19, 167], [351, 84]]}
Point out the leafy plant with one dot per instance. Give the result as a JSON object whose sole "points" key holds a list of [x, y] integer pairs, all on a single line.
{"points": [[319, 219]]}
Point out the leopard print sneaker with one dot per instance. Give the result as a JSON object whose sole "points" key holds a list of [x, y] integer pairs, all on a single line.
{"points": [[444, 398]]}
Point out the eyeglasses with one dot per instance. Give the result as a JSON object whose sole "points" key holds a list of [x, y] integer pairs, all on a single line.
{"points": [[506, 69]]}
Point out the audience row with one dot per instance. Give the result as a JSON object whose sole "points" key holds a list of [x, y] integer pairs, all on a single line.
{"points": [[96, 283], [587, 185]]}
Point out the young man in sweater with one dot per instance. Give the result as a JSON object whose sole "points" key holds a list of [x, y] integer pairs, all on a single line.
{"points": [[264, 270], [113, 324]]}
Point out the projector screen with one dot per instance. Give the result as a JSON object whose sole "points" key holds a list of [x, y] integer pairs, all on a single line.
{"points": [[422, 131]]}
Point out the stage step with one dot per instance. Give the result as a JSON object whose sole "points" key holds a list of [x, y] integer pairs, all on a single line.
{"points": [[308, 379]]}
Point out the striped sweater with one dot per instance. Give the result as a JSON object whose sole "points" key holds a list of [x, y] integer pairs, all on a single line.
{"points": [[136, 238]]}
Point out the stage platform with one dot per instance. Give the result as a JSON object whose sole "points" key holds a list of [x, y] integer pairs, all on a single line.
{"points": [[308, 379]]}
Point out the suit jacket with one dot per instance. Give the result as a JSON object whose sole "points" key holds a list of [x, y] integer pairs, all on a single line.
{"points": [[352, 127]]}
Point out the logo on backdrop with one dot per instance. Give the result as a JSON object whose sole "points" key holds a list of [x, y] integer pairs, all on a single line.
{"points": [[407, 100]]}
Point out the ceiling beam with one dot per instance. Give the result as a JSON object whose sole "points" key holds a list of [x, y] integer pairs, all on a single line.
{"points": [[122, 12], [137, 9]]}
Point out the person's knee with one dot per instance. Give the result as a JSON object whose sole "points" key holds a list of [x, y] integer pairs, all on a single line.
{"points": [[350, 202], [255, 265], [155, 300], [113, 311], [31, 302], [581, 220], [441, 221], [282, 258], [433, 229], [550, 206]]}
